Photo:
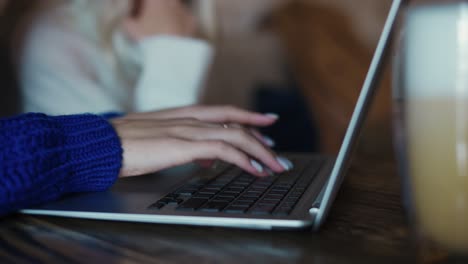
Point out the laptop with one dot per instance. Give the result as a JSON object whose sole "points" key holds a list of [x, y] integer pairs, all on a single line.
{"points": [[228, 197]]}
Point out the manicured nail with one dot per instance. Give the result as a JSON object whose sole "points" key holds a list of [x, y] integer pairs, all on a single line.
{"points": [[285, 163], [269, 141], [272, 115], [257, 166]]}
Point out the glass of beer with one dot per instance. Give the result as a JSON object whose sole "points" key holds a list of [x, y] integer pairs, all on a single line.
{"points": [[431, 121]]}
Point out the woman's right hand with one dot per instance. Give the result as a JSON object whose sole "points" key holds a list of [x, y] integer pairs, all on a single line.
{"points": [[160, 17], [151, 144]]}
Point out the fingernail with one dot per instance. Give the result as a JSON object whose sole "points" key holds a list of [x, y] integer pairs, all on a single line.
{"points": [[269, 141], [272, 115], [285, 163], [256, 165]]}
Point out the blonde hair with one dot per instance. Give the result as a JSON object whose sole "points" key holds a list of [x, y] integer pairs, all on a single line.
{"points": [[99, 21]]}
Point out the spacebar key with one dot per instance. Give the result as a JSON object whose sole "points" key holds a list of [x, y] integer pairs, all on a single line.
{"points": [[192, 204]]}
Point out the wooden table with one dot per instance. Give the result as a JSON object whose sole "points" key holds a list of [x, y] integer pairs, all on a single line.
{"points": [[366, 225]]}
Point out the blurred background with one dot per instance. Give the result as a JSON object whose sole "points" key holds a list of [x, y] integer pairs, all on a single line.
{"points": [[303, 59], [306, 60]]}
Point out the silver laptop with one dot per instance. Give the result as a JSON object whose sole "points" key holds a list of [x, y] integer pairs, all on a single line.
{"points": [[228, 197]]}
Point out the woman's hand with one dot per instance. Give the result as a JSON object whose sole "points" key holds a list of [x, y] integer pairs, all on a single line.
{"points": [[160, 17], [160, 140]]}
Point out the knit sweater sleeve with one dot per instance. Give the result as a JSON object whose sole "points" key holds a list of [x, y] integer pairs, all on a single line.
{"points": [[44, 157]]}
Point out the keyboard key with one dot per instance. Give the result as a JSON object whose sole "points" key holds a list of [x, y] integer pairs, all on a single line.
{"points": [[287, 186], [232, 187], [243, 204], [165, 200], [175, 202], [278, 192], [172, 196], [286, 180], [234, 193], [280, 188], [245, 201], [157, 205], [240, 183], [255, 193], [268, 202], [266, 198], [258, 189], [250, 196], [192, 204], [224, 194], [170, 201], [262, 182], [282, 211], [247, 206], [223, 199], [235, 209], [214, 206], [187, 192], [262, 209], [207, 192], [211, 189], [229, 194], [203, 196], [274, 196]]}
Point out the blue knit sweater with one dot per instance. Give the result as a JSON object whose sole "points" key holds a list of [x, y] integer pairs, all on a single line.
{"points": [[44, 157]]}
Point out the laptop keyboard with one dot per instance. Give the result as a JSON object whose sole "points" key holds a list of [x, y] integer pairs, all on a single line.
{"points": [[237, 192]]}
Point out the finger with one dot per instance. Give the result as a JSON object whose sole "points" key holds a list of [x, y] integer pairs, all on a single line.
{"points": [[205, 163], [220, 150], [230, 114], [266, 140], [243, 139], [217, 114]]}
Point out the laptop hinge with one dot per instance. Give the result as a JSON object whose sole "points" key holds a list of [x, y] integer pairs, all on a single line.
{"points": [[318, 201]]}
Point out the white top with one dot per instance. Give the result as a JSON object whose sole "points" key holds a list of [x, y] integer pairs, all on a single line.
{"points": [[63, 72]]}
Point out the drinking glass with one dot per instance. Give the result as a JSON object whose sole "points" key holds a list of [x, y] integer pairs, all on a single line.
{"points": [[431, 121]]}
